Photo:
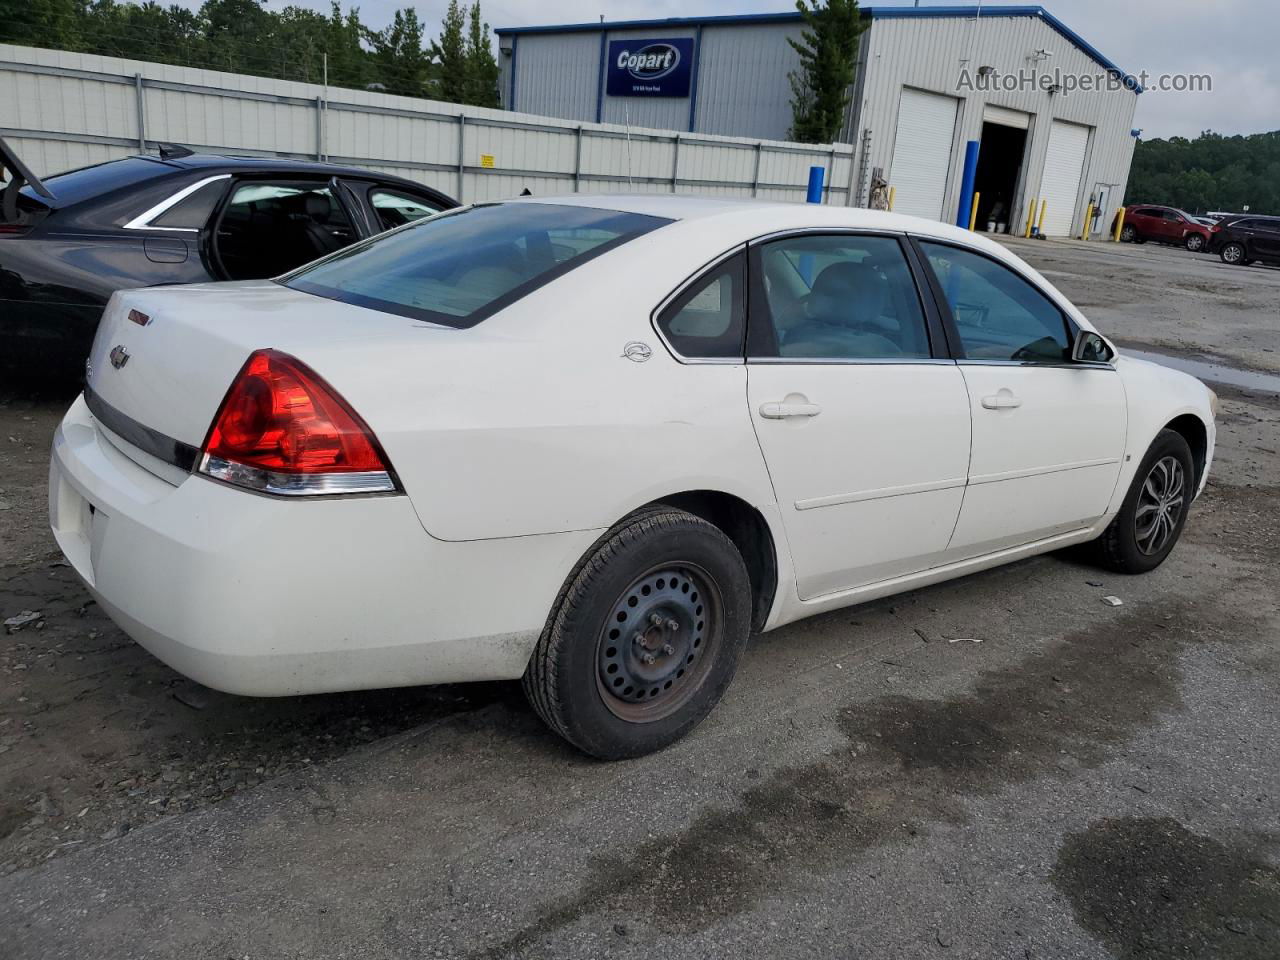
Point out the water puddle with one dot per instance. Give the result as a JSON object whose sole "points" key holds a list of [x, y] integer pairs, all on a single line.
{"points": [[1212, 372]]}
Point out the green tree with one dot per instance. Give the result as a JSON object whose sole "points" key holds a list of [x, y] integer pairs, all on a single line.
{"points": [[450, 56], [400, 62], [482, 68], [1211, 172], [827, 47]]}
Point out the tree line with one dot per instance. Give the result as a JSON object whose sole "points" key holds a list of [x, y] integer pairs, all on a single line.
{"points": [[241, 36], [1211, 172]]}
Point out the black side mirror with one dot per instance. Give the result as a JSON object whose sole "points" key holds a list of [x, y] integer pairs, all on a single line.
{"points": [[1091, 348]]}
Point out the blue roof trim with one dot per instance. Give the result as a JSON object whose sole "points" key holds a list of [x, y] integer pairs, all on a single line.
{"points": [[886, 13]]}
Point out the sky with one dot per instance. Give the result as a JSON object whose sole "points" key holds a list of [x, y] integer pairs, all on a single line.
{"points": [[1234, 41]]}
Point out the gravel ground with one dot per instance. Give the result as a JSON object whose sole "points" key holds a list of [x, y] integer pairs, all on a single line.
{"points": [[1086, 782]]}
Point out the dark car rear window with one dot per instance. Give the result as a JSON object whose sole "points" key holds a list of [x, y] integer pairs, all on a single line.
{"points": [[85, 183], [459, 268]]}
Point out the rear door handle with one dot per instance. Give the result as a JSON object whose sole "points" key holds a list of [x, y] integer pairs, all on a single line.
{"points": [[1001, 401], [784, 411]]}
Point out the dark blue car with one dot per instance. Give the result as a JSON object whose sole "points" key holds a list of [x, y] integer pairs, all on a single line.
{"points": [[70, 241]]}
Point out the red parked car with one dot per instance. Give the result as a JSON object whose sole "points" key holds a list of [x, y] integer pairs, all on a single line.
{"points": [[1164, 225]]}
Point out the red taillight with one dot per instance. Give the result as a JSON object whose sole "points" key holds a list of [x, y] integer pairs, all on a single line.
{"points": [[1215, 228], [13, 229], [282, 429]]}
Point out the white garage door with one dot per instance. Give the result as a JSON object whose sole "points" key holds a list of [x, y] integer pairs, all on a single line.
{"points": [[1063, 170], [922, 153]]}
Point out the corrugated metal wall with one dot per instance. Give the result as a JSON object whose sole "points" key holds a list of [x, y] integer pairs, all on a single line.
{"points": [[926, 54], [63, 110], [741, 88]]}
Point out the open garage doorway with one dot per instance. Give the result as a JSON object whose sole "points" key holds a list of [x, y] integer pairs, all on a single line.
{"points": [[1000, 173]]}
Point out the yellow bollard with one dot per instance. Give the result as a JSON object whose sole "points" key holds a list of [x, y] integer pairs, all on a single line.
{"points": [[1088, 219], [892, 192], [973, 213], [1044, 208], [1119, 226], [1031, 217]]}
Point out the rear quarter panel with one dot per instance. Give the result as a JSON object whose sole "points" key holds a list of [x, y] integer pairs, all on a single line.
{"points": [[535, 422]]}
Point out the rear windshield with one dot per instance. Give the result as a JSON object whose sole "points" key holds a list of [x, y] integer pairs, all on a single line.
{"points": [[88, 182], [461, 267]]}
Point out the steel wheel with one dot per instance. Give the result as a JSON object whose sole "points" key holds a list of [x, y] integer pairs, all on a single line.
{"points": [[658, 642], [1160, 505]]}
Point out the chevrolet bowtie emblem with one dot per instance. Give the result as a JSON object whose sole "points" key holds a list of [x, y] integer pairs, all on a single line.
{"points": [[119, 356]]}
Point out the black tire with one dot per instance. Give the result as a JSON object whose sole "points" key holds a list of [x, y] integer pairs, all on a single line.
{"points": [[1195, 242], [1130, 544], [660, 563], [1128, 234], [1234, 254]]}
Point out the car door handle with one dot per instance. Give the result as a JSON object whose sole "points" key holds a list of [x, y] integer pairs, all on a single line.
{"points": [[1001, 401], [784, 411]]}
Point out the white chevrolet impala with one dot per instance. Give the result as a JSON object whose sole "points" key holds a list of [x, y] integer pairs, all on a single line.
{"points": [[596, 442]]}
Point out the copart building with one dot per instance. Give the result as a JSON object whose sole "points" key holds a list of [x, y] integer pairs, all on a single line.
{"points": [[1052, 115]]}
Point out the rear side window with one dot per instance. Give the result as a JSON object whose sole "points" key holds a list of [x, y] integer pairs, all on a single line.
{"points": [[707, 320], [459, 268], [192, 212], [998, 314]]}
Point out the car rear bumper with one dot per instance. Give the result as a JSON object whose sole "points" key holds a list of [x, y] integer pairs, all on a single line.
{"points": [[257, 596]]}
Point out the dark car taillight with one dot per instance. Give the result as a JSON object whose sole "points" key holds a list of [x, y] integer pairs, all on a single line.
{"points": [[13, 229]]}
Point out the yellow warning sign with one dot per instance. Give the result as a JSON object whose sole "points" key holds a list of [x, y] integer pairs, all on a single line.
{"points": [[486, 160]]}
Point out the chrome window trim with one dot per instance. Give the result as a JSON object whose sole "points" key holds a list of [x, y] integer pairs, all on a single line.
{"points": [[1059, 364], [679, 291], [143, 220], [859, 361], [825, 232]]}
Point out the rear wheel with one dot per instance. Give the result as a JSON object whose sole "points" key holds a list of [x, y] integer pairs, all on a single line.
{"points": [[1155, 509], [1234, 254], [645, 637], [1129, 235], [1195, 242]]}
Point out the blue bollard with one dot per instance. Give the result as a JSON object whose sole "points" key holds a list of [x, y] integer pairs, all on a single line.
{"points": [[966, 185], [815, 184]]}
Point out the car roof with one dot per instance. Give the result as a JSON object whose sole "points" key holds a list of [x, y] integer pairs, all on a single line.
{"points": [[88, 183], [779, 214]]}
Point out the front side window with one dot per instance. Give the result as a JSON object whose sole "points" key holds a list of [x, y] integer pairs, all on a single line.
{"points": [[459, 268], [395, 209], [998, 314], [838, 297], [707, 319]]}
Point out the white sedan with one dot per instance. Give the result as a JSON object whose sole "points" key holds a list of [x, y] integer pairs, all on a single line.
{"points": [[596, 442]]}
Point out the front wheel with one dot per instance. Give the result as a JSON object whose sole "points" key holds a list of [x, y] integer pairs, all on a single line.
{"points": [[645, 637], [1234, 254], [1155, 509], [1195, 242]]}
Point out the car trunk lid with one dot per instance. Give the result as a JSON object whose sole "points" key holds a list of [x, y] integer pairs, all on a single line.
{"points": [[164, 358], [20, 209]]}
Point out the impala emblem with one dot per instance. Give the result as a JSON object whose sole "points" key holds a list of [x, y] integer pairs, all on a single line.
{"points": [[119, 356], [636, 351]]}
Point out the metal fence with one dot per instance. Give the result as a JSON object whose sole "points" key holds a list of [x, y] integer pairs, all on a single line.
{"points": [[62, 110]]}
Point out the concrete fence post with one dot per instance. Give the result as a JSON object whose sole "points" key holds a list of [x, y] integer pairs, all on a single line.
{"points": [[462, 154], [141, 101], [577, 161]]}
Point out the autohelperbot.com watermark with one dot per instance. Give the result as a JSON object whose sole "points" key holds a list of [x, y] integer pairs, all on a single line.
{"points": [[1064, 83]]}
